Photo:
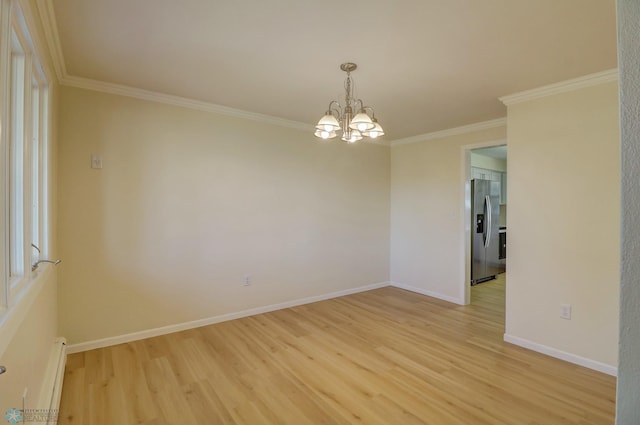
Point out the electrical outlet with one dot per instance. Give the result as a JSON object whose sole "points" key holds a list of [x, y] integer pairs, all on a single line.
{"points": [[246, 280], [565, 311]]}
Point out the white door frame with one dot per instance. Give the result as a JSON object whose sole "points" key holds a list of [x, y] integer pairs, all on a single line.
{"points": [[465, 227]]}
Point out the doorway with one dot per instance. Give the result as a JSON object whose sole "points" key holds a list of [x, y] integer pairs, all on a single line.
{"points": [[485, 229]]}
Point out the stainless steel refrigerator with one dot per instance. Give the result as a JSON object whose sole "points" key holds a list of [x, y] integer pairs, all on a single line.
{"points": [[485, 217]]}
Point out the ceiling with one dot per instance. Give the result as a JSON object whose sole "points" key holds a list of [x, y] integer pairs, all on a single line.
{"points": [[424, 65]]}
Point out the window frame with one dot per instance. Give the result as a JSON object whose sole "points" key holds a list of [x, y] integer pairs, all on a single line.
{"points": [[17, 135], [25, 170], [5, 46]]}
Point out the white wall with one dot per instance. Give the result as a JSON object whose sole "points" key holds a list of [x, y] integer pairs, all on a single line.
{"points": [[564, 208], [188, 202], [628, 401], [427, 213]]}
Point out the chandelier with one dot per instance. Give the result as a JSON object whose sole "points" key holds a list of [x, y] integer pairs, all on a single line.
{"points": [[337, 118]]}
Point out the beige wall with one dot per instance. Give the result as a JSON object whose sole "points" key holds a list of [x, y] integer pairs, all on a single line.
{"points": [[427, 213], [28, 351], [564, 208], [188, 202]]}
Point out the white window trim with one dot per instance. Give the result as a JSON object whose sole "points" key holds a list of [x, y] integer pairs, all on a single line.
{"points": [[18, 121], [5, 46], [19, 289]]}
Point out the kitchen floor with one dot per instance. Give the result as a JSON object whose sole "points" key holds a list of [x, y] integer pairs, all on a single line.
{"points": [[491, 293]]}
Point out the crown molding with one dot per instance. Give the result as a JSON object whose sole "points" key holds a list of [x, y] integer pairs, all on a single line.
{"points": [[52, 38], [376, 141], [152, 96], [562, 87], [122, 90], [484, 125]]}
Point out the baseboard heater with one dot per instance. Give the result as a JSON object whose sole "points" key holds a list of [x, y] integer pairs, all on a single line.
{"points": [[52, 389]]}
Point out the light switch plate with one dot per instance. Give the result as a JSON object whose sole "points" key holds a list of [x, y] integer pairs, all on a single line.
{"points": [[96, 161]]}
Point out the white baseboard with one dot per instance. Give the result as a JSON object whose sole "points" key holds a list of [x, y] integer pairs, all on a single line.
{"points": [[52, 384], [121, 339], [562, 355], [427, 293]]}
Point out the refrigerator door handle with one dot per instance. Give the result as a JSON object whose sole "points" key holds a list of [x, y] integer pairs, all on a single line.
{"points": [[485, 217], [487, 204]]}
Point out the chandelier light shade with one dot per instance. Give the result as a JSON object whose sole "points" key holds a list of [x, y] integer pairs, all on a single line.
{"points": [[339, 118], [376, 131]]}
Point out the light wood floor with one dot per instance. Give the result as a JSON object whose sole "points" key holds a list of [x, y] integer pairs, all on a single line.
{"points": [[386, 357]]}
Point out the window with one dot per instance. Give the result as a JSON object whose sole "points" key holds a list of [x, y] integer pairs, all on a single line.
{"points": [[39, 120], [35, 168], [16, 133], [24, 120]]}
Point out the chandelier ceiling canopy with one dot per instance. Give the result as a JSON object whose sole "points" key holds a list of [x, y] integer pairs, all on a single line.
{"points": [[342, 118]]}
